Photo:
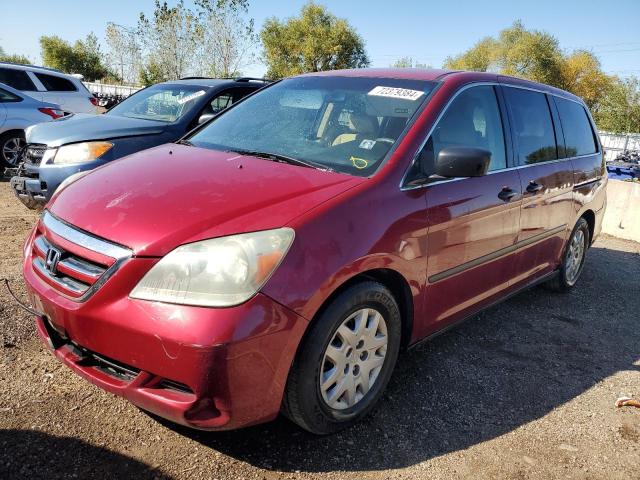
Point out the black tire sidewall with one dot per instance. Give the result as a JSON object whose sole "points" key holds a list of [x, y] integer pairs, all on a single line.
{"points": [[317, 414]]}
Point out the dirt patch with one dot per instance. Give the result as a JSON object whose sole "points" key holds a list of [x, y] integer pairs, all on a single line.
{"points": [[525, 390]]}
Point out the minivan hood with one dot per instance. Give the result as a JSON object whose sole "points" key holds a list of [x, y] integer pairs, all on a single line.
{"points": [[157, 199], [81, 127]]}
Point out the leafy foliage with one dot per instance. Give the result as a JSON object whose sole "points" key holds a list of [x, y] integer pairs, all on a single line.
{"points": [[619, 111], [315, 41], [407, 62], [537, 56], [83, 57], [212, 38], [13, 58]]}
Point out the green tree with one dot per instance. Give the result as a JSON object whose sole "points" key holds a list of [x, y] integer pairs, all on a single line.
{"points": [[83, 57], [315, 41], [407, 62], [517, 51], [152, 73], [619, 111], [537, 56], [13, 58]]}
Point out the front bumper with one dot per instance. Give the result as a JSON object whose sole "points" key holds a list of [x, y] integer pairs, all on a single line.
{"points": [[200, 367], [36, 184]]}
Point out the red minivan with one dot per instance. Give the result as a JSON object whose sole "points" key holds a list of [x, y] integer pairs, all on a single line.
{"points": [[280, 256]]}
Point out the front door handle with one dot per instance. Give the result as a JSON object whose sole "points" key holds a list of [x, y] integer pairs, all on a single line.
{"points": [[534, 187], [507, 194]]}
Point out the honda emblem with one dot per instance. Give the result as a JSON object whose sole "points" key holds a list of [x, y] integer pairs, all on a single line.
{"points": [[52, 259]]}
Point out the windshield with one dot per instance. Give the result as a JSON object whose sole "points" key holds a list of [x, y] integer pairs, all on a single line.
{"points": [[347, 124], [164, 103]]}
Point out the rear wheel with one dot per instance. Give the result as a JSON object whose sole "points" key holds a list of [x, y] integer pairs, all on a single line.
{"points": [[11, 144], [573, 258], [345, 361]]}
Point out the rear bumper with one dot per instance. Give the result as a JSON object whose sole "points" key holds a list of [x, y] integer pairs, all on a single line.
{"points": [[200, 367]]}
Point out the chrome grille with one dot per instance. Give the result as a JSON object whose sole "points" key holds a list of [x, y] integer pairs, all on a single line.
{"points": [[34, 152], [79, 267]]}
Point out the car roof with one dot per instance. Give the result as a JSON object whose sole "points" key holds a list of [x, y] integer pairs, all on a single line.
{"points": [[445, 76], [21, 66], [216, 82]]}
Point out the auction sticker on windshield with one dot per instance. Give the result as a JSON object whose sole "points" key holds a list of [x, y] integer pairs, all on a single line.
{"points": [[188, 98], [393, 92]]}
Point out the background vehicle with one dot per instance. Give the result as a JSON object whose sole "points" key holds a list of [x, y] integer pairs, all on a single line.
{"points": [[152, 116], [49, 85], [280, 256], [17, 112]]}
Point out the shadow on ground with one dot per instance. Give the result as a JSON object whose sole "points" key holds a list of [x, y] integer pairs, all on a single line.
{"points": [[508, 366], [36, 455]]}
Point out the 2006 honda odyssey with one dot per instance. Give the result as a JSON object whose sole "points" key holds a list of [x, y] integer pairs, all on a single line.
{"points": [[282, 255]]}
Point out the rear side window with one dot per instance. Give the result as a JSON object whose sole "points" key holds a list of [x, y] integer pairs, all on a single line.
{"points": [[472, 120], [578, 135], [17, 79], [55, 84], [532, 126], [221, 102], [8, 97]]}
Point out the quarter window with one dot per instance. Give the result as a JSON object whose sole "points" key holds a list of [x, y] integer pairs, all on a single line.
{"points": [[472, 120], [54, 83], [578, 135], [8, 97], [17, 79], [532, 126]]}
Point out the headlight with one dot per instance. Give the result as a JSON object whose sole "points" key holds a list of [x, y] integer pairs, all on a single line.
{"points": [[81, 152], [220, 272]]}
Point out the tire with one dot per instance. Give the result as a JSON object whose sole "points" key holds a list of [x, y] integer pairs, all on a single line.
{"points": [[9, 141], [336, 333], [572, 261]]}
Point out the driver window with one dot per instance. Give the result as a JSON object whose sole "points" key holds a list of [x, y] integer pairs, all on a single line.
{"points": [[472, 120]]}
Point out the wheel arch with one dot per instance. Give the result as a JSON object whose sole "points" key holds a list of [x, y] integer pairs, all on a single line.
{"points": [[395, 282], [590, 216]]}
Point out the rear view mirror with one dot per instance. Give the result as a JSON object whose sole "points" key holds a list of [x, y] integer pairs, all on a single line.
{"points": [[462, 162], [205, 117]]}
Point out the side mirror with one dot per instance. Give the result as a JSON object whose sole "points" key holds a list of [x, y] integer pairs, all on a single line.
{"points": [[462, 162], [205, 117]]}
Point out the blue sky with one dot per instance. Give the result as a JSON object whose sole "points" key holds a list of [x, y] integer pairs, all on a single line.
{"points": [[428, 31]]}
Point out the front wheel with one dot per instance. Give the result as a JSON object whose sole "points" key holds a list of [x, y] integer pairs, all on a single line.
{"points": [[345, 360], [573, 258], [11, 144]]}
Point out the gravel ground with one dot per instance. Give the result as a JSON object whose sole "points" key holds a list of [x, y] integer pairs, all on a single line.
{"points": [[524, 390]]}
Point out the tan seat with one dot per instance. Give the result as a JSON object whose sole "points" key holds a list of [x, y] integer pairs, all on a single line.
{"points": [[362, 126]]}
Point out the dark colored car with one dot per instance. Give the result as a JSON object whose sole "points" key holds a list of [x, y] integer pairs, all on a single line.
{"points": [[155, 115], [282, 255]]}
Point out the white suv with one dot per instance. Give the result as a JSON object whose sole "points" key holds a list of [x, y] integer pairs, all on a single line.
{"points": [[49, 85]]}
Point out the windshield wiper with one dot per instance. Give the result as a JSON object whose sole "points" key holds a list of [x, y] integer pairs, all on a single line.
{"points": [[277, 157], [185, 142]]}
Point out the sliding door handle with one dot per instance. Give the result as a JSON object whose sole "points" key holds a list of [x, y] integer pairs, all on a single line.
{"points": [[534, 187], [506, 194]]}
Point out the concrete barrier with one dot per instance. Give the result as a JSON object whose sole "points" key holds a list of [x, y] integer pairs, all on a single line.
{"points": [[622, 218]]}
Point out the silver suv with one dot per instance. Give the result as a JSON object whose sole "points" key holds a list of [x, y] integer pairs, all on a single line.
{"points": [[18, 112], [49, 85]]}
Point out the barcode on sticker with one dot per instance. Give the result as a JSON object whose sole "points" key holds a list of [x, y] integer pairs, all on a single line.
{"points": [[394, 92]]}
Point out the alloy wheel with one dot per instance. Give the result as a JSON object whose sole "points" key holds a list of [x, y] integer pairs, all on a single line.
{"points": [[353, 359], [11, 150]]}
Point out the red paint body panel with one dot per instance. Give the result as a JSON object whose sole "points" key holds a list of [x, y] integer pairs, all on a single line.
{"points": [[235, 361], [166, 196]]}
